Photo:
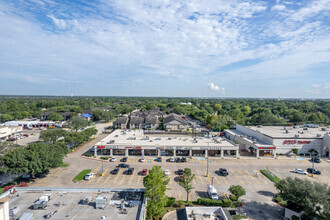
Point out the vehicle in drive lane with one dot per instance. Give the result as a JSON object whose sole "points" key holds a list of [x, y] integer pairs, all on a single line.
{"points": [[223, 172], [167, 172], [123, 165], [313, 171]]}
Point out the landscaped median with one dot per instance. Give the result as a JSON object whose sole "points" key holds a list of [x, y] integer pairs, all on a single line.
{"points": [[81, 175], [272, 177]]}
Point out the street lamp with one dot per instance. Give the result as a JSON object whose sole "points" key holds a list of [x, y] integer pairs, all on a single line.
{"points": [[313, 160], [207, 164]]}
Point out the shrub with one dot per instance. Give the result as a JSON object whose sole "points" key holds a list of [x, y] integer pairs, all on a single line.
{"points": [[283, 203], [88, 155], [272, 177], [227, 203], [278, 198], [22, 184], [179, 203], [170, 201], [8, 188], [104, 158], [233, 197], [190, 203]]}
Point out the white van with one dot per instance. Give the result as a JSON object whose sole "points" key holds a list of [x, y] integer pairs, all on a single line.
{"points": [[212, 192]]}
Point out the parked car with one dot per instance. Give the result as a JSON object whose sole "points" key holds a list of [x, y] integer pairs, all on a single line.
{"points": [[167, 172], [142, 160], [300, 171], [92, 150], [159, 159], [313, 171], [113, 159], [316, 160], [89, 176], [184, 159], [180, 172], [223, 172], [180, 178], [26, 135], [178, 160], [123, 165], [172, 159], [124, 159], [115, 171], [144, 172], [130, 171]]}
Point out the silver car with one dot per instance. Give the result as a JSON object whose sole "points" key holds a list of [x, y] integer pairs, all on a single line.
{"points": [[300, 171]]}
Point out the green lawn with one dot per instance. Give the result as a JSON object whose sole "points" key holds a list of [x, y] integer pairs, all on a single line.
{"points": [[81, 175], [64, 165], [270, 176]]}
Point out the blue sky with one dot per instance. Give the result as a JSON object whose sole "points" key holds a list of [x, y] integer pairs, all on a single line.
{"points": [[195, 48]]}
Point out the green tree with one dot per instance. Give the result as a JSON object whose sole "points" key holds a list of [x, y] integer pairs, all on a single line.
{"points": [[155, 187], [52, 135], [6, 146], [77, 122], [237, 190], [55, 117], [186, 181], [312, 195]]}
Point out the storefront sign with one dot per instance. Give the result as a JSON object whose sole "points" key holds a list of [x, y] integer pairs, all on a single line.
{"points": [[128, 147], [100, 147], [296, 142], [137, 147], [210, 148], [266, 148]]}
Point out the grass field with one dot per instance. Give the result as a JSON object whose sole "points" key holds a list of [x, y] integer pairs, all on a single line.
{"points": [[81, 175]]}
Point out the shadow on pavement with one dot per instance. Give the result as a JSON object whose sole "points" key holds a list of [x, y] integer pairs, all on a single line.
{"points": [[202, 194], [259, 210], [266, 193]]}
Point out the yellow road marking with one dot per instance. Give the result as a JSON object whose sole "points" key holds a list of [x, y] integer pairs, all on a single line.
{"points": [[224, 179], [194, 181], [101, 177], [170, 194], [216, 180], [139, 180], [107, 179], [122, 180], [134, 160], [130, 180], [169, 176], [116, 178], [209, 179], [179, 196], [189, 198], [200, 177], [253, 177], [245, 177]]}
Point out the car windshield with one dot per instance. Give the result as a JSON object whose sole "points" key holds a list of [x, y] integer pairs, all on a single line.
{"points": [[214, 194]]}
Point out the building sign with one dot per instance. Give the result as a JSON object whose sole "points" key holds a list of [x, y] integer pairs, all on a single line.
{"points": [[296, 142], [100, 147], [266, 148], [210, 148]]}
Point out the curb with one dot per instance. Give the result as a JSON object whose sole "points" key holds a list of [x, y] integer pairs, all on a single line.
{"points": [[168, 214]]}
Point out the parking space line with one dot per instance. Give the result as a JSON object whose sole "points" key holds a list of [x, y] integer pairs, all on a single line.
{"points": [[254, 178], [189, 198], [200, 177], [245, 177], [216, 180], [179, 196], [116, 178], [97, 168], [239, 180], [224, 179], [169, 176], [194, 181], [209, 179], [130, 180], [139, 180], [170, 195], [107, 179], [100, 177], [122, 180], [134, 160]]}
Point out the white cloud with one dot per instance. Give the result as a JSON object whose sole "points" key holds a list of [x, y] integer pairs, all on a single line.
{"points": [[216, 88], [60, 23], [279, 7], [318, 89]]}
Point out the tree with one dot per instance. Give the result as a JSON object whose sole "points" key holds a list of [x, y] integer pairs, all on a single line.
{"points": [[186, 180], [6, 146], [155, 187], [312, 195], [52, 135], [295, 151], [77, 122], [55, 117], [237, 190]]}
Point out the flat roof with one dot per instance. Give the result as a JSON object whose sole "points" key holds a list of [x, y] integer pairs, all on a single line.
{"points": [[138, 138], [68, 205], [281, 131], [252, 141]]}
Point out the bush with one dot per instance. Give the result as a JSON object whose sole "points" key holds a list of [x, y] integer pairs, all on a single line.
{"points": [[190, 203], [22, 184], [170, 201], [88, 155], [272, 177], [278, 199], [227, 203], [179, 203], [283, 203], [8, 188], [104, 158], [233, 197]]}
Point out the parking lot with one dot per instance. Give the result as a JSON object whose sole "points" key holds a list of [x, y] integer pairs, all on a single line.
{"points": [[243, 172]]}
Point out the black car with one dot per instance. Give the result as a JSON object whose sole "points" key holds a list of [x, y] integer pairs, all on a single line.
{"points": [[159, 159], [313, 171], [130, 171], [316, 160], [223, 172], [178, 160], [183, 160], [124, 159], [180, 172], [123, 165], [115, 171]]}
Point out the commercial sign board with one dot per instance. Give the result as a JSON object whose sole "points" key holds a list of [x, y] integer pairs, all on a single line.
{"points": [[107, 147], [296, 142], [210, 148], [266, 148], [100, 147]]}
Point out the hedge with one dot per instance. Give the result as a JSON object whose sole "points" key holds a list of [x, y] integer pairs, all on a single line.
{"points": [[210, 202], [233, 197], [89, 155], [170, 201], [104, 158], [278, 198], [272, 177]]}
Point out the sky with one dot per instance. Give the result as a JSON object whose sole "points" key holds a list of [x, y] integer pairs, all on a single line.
{"points": [[192, 48]]}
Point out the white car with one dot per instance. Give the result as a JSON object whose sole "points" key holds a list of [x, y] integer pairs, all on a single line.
{"points": [[142, 160], [89, 176], [172, 159], [113, 159], [300, 171], [167, 172]]}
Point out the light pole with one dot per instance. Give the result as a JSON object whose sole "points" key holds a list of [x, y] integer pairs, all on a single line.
{"points": [[212, 180], [313, 160], [207, 162]]}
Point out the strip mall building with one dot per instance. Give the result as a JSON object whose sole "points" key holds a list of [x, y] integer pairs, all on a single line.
{"points": [[136, 143], [272, 140]]}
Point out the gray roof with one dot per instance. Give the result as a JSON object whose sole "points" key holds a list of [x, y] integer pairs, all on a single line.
{"points": [[136, 120], [121, 120], [151, 119], [172, 117]]}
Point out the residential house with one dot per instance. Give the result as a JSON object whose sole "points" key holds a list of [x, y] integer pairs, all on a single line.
{"points": [[174, 122], [87, 116], [136, 122], [121, 122], [151, 122]]}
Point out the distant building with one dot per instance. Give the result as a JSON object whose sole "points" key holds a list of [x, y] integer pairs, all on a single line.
{"points": [[174, 122], [87, 116], [202, 213], [121, 122], [136, 122]]}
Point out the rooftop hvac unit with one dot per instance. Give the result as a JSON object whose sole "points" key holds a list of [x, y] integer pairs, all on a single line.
{"points": [[259, 126], [296, 136], [318, 135], [100, 202], [287, 131], [305, 128]]}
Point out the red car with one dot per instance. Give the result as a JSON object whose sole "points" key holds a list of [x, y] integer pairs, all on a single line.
{"points": [[144, 172], [180, 177], [26, 135]]}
